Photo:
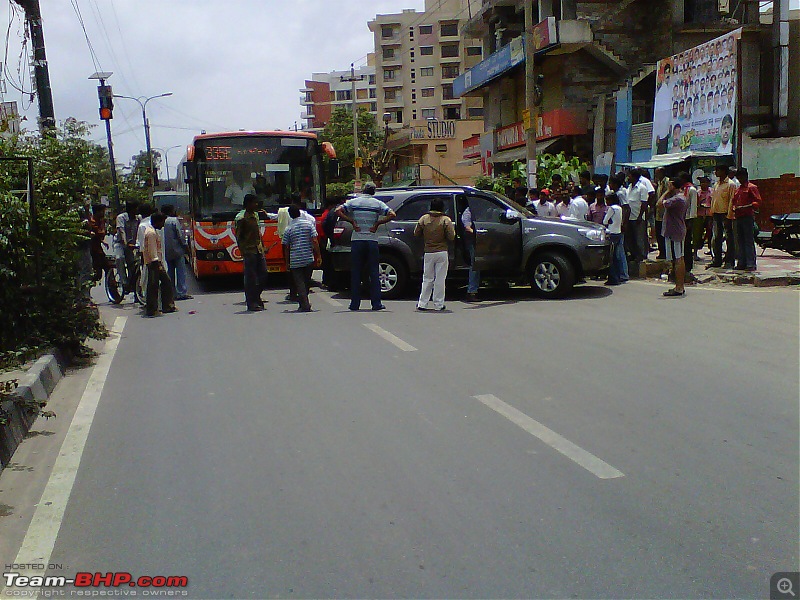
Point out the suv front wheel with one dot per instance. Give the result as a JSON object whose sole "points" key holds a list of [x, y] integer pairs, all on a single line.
{"points": [[393, 275], [552, 275]]}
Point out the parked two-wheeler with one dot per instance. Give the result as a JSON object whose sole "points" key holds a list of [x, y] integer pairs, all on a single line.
{"points": [[785, 235]]}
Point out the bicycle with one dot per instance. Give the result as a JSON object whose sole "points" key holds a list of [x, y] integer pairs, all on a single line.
{"points": [[113, 282]]}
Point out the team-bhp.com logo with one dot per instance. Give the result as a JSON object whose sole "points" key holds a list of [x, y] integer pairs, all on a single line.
{"points": [[150, 585]]}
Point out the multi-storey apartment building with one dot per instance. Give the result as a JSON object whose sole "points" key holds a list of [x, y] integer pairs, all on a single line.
{"points": [[324, 92], [418, 55]]}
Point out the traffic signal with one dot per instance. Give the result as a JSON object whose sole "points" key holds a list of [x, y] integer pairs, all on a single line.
{"points": [[106, 102]]}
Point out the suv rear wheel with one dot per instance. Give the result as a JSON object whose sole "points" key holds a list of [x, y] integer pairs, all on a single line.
{"points": [[393, 276], [552, 275]]}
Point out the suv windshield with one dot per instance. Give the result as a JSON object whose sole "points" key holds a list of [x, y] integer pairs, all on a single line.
{"points": [[275, 169]]}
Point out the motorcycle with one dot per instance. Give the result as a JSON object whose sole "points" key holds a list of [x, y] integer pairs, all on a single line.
{"points": [[785, 235]]}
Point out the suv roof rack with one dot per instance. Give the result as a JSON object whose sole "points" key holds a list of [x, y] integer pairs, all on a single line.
{"points": [[405, 188]]}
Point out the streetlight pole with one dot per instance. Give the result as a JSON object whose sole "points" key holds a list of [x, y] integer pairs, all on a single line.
{"points": [[146, 132], [166, 158]]}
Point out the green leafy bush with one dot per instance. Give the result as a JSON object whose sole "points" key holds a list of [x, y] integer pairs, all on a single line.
{"points": [[57, 312], [547, 166]]}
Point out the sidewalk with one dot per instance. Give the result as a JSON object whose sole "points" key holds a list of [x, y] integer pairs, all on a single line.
{"points": [[774, 268]]}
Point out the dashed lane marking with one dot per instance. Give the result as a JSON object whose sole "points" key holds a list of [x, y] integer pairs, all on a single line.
{"points": [[390, 337], [575, 453]]}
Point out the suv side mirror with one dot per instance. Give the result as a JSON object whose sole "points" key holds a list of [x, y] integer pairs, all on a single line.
{"points": [[512, 215]]}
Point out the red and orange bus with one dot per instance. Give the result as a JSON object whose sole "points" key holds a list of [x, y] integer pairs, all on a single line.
{"points": [[220, 168]]}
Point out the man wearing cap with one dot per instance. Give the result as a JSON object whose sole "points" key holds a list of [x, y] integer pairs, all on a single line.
{"points": [[721, 197], [365, 213]]}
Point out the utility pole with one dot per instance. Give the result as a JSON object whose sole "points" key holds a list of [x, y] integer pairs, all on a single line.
{"points": [[530, 96], [33, 18], [104, 92], [357, 159]]}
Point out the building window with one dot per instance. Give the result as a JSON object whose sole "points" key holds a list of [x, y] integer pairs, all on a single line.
{"points": [[452, 112], [411, 33], [387, 31], [426, 50], [373, 107], [426, 72], [388, 74], [388, 53], [372, 79], [344, 95], [475, 113], [414, 115], [474, 51], [449, 50], [398, 116], [441, 148], [361, 94], [447, 91], [425, 29], [428, 92], [448, 29], [428, 113], [450, 71], [389, 94], [373, 93]]}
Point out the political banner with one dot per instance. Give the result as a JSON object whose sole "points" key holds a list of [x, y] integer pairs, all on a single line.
{"points": [[695, 102]]}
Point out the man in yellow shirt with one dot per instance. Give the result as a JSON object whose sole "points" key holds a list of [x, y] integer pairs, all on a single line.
{"points": [[721, 196], [157, 278]]}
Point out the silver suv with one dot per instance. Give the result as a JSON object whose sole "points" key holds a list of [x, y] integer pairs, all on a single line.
{"points": [[512, 244]]}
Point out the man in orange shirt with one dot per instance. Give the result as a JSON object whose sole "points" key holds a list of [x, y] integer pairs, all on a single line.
{"points": [[157, 278]]}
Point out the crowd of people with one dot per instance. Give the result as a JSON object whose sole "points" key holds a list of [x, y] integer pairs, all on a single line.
{"points": [[668, 214]]}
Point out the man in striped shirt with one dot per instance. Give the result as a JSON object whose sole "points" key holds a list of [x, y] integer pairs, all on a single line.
{"points": [[302, 253], [365, 214]]}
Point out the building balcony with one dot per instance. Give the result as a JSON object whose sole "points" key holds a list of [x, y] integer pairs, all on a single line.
{"points": [[393, 83], [305, 101], [450, 59], [396, 60], [308, 115], [306, 90], [395, 102], [395, 40]]}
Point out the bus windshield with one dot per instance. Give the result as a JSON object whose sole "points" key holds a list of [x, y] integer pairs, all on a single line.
{"points": [[278, 170]]}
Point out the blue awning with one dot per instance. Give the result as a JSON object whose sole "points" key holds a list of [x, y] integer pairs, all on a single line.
{"points": [[505, 59]]}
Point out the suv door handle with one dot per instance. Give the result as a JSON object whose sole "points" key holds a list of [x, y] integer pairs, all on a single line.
{"points": [[397, 230], [482, 231]]}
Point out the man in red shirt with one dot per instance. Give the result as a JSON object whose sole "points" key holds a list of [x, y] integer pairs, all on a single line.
{"points": [[743, 206]]}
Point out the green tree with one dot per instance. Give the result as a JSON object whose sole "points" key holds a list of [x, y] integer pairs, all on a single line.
{"points": [[371, 143], [67, 168], [134, 184]]}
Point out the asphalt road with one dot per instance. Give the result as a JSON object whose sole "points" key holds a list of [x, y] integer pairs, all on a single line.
{"points": [[611, 445]]}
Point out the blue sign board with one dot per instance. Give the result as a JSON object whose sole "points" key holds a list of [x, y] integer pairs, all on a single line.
{"points": [[503, 60]]}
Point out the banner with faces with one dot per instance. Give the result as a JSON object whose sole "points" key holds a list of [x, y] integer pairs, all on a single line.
{"points": [[695, 103]]}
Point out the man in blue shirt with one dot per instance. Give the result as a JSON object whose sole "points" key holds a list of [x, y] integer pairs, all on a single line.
{"points": [[365, 213], [302, 253]]}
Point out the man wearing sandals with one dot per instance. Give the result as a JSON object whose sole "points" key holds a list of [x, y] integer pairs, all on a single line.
{"points": [[674, 230]]}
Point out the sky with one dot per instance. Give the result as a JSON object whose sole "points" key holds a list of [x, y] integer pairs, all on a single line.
{"points": [[237, 64]]}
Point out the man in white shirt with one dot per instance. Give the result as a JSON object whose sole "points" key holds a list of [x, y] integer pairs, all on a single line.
{"points": [[236, 191], [635, 234], [578, 208], [618, 273], [544, 206]]}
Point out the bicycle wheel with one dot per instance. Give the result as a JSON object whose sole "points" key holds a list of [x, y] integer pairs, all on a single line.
{"points": [[138, 289], [113, 286]]}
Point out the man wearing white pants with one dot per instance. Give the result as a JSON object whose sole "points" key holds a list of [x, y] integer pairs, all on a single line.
{"points": [[437, 230]]}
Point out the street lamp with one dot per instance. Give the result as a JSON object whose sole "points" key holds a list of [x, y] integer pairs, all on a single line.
{"points": [[166, 158], [146, 131]]}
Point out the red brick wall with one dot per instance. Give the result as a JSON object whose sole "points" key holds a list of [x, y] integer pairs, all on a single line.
{"points": [[781, 195]]}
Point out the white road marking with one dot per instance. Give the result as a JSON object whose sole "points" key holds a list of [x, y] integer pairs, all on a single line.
{"points": [[42, 532], [575, 453], [390, 337], [331, 301]]}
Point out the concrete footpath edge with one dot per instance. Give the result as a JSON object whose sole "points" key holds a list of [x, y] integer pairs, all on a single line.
{"points": [[35, 385]]}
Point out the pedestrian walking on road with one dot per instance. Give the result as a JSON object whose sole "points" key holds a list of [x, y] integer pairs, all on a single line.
{"points": [[301, 249], [157, 278], [702, 225], [97, 233], [365, 213], [175, 250], [127, 225], [743, 206], [690, 193], [247, 229], [675, 234], [437, 230]]}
